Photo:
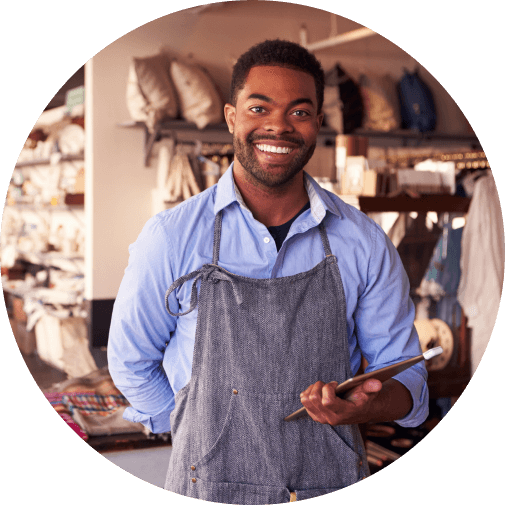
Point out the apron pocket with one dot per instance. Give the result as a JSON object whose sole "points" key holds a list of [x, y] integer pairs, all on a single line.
{"points": [[177, 415], [254, 446]]}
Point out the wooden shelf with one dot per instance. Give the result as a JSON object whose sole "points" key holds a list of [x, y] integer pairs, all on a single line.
{"points": [[411, 135], [405, 203], [182, 131], [48, 161]]}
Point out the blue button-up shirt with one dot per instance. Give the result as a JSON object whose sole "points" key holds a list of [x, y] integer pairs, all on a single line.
{"points": [[150, 353]]}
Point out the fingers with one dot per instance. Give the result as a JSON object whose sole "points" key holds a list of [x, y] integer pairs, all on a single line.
{"points": [[324, 406], [365, 392], [320, 401]]}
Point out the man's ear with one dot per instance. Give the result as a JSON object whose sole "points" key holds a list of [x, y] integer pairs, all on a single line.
{"points": [[230, 113], [320, 118]]}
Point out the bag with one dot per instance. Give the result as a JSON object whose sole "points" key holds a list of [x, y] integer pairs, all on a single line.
{"points": [[349, 95], [417, 106]]}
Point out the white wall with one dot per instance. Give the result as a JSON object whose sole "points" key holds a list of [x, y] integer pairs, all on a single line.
{"points": [[118, 185]]}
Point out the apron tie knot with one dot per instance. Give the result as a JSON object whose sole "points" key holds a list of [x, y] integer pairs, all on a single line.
{"points": [[202, 273]]}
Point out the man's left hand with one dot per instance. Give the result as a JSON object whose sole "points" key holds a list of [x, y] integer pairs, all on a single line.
{"points": [[325, 407]]}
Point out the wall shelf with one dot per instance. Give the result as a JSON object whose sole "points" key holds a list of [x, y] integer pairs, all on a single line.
{"points": [[184, 132], [406, 203], [49, 161]]}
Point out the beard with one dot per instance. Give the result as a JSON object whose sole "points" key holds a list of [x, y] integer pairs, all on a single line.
{"points": [[246, 155]]}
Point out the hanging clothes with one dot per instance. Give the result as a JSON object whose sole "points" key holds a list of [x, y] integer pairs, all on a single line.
{"points": [[482, 264], [443, 274]]}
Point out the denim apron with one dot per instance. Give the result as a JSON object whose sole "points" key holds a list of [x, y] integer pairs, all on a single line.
{"points": [[259, 343]]}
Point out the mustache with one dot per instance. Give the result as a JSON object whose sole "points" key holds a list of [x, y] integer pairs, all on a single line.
{"points": [[285, 138]]}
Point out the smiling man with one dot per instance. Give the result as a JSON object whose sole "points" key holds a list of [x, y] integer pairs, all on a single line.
{"points": [[260, 295]]}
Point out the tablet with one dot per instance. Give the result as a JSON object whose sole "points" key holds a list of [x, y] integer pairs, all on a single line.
{"points": [[381, 374]]}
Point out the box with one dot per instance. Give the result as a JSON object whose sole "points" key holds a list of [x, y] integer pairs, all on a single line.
{"points": [[357, 179], [420, 181], [346, 146], [63, 343], [322, 163], [18, 309], [25, 339]]}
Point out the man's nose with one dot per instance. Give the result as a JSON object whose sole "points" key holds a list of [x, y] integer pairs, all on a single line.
{"points": [[278, 123]]}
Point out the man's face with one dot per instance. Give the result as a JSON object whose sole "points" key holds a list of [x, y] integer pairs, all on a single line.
{"points": [[274, 124]]}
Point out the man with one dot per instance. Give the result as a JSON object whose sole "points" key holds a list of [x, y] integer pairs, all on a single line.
{"points": [[276, 290]]}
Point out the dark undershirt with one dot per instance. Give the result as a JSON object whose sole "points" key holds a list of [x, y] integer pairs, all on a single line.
{"points": [[279, 233]]}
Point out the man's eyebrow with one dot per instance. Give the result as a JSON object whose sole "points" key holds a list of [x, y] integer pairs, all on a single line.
{"points": [[298, 101], [258, 96]]}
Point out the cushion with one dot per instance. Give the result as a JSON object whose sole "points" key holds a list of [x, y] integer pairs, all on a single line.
{"points": [[380, 101], [199, 99], [150, 94]]}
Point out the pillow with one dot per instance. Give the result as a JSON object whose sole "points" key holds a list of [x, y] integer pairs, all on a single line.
{"points": [[380, 103], [150, 94], [199, 99]]}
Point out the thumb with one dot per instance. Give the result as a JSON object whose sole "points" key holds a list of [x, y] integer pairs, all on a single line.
{"points": [[372, 386]]}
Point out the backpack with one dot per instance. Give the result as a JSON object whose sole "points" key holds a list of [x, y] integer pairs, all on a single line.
{"points": [[417, 106], [348, 96]]}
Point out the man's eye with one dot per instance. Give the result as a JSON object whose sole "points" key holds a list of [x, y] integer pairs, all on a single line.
{"points": [[257, 109], [300, 113]]}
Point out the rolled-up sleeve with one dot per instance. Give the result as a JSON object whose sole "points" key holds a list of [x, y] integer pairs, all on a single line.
{"points": [[140, 331], [385, 324]]}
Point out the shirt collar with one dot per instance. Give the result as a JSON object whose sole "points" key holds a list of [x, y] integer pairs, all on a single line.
{"points": [[320, 202]]}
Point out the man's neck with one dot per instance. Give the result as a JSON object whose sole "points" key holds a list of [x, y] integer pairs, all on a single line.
{"points": [[272, 206]]}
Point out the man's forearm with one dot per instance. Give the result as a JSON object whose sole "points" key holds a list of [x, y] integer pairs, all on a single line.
{"points": [[393, 402]]}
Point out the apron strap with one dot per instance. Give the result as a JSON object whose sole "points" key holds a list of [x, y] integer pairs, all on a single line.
{"points": [[217, 236], [218, 274], [194, 294], [324, 239]]}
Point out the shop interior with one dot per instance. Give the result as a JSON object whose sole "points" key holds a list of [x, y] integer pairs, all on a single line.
{"points": [[140, 128]]}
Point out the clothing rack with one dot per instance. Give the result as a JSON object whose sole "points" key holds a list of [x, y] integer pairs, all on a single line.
{"points": [[182, 132], [187, 167]]}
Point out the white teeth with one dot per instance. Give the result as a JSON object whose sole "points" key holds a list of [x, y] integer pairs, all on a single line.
{"points": [[273, 149]]}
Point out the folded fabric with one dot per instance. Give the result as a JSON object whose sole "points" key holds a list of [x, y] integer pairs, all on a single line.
{"points": [[56, 400], [100, 415], [88, 404]]}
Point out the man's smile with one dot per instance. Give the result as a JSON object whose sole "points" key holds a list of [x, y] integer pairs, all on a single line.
{"points": [[273, 149]]}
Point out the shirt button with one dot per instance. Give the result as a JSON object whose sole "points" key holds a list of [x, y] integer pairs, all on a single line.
{"points": [[266, 240], [235, 392], [193, 467], [193, 480]]}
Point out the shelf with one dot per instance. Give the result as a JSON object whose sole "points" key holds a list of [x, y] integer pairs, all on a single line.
{"points": [[41, 207], [49, 161], [184, 132], [412, 135], [405, 203], [181, 131]]}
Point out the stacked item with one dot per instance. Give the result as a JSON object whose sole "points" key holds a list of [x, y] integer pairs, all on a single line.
{"points": [[377, 102], [56, 400], [92, 405], [387, 442], [161, 87], [57, 133]]}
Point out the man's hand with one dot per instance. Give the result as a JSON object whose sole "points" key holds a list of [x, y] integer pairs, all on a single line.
{"points": [[370, 401]]}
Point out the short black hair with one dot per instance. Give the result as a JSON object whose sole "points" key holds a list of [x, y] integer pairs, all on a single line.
{"points": [[281, 53]]}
